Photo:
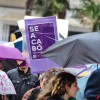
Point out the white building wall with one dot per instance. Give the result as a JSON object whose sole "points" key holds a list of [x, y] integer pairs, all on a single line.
{"points": [[10, 16], [4, 24]]}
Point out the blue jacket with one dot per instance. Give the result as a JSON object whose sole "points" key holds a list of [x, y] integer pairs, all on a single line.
{"points": [[92, 90]]}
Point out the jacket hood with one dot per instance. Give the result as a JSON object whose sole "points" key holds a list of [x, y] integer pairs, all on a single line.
{"points": [[92, 89]]}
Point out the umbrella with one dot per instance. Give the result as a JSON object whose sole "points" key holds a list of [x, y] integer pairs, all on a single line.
{"points": [[10, 53], [16, 44], [6, 86], [76, 50]]}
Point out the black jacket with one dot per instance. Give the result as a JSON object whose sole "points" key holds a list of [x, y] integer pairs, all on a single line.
{"points": [[22, 82], [34, 94], [57, 98]]}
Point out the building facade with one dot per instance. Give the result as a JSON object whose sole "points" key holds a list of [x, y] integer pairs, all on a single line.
{"points": [[13, 10]]}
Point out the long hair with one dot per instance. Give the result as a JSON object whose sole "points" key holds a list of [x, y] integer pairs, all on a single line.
{"points": [[56, 86]]}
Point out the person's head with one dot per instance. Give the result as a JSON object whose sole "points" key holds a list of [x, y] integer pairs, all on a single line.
{"points": [[61, 84], [46, 76], [43, 80], [23, 66], [64, 83], [24, 69]]}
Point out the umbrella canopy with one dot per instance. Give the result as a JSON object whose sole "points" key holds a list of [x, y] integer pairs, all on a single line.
{"points": [[6, 86], [76, 50], [10, 53], [16, 44]]}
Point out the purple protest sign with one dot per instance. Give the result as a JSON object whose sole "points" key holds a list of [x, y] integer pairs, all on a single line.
{"points": [[40, 34], [41, 37]]}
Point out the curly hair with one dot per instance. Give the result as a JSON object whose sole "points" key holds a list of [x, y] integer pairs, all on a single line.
{"points": [[50, 73], [56, 86]]}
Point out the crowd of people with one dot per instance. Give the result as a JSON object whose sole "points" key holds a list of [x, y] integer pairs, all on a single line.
{"points": [[54, 84]]}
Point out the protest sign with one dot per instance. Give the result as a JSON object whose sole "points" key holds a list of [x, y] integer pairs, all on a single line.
{"points": [[40, 34]]}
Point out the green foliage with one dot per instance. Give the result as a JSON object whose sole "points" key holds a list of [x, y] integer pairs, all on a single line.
{"points": [[51, 7], [92, 11]]}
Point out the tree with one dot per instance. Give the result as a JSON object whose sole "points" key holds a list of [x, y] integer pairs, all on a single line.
{"points": [[51, 7], [29, 4], [91, 11]]}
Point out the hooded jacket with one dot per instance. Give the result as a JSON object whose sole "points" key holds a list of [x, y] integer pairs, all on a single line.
{"points": [[92, 90]]}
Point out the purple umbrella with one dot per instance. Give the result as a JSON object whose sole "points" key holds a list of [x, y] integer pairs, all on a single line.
{"points": [[10, 53]]}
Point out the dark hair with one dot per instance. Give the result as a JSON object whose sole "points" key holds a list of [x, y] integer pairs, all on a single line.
{"points": [[56, 86]]}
